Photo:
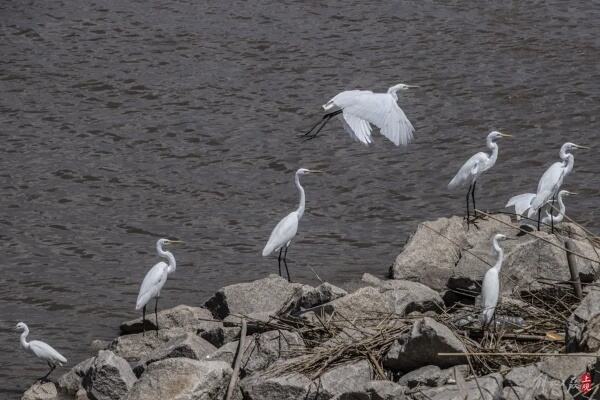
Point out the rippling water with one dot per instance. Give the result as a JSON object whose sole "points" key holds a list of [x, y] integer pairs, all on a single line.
{"points": [[125, 121]]}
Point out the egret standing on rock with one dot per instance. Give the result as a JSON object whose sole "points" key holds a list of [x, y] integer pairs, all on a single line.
{"points": [[361, 108], [552, 219], [286, 229], [552, 179], [155, 279], [523, 202], [490, 288], [41, 350], [475, 166]]}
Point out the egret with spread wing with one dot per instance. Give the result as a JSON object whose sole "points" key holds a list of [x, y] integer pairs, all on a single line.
{"points": [[522, 203], [475, 166], [155, 279], [490, 288], [362, 108], [41, 350], [286, 229], [552, 179]]}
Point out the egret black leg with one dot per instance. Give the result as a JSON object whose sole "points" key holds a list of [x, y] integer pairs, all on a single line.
{"points": [[156, 314], [144, 321], [468, 192], [322, 123], [473, 197], [552, 215], [285, 263], [45, 377], [539, 217], [279, 260]]}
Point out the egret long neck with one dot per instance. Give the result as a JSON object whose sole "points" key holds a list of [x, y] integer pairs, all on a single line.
{"points": [[169, 256], [302, 204], [493, 146], [570, 161], [500, 254], [24, 342], [562, 209]]}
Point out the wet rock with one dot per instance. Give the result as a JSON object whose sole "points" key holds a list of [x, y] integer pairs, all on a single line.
{"points": [[41, 391], [346, 378], [71, 382], [421, 347], [137, 346], [182, 379], [268, 295], [407, 296], [491, 389], [260, 351], [109, 377], [587, 313], [430, 375], [188, 345], [189, 318]]}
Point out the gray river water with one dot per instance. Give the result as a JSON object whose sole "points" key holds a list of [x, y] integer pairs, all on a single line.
{"points": [[125, 121]]}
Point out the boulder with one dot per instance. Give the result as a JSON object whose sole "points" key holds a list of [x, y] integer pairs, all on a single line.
{"points": [[182, 379], [346, 378], [268, 295], [582, 325], [41, 391], [187, 345], [221, 335], [429, 375], [441, 262], [109, 377], [260, 351], [71, 382], [363, 303], [195, 319], [407, 296], [421, 346], [137, 346], [489, 388], [385, 390], [309, 297]]}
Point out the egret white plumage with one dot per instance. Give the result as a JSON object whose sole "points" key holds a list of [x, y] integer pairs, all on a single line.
{"points": [[361, 108], [286, 229], [490, 288], [41, 350], [521, 202], [553, 178], [155, 279], [552, 219], [475, 166]]}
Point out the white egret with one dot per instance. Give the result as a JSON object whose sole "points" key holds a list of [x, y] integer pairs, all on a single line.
{"points": [[286, 229], [490, 288], [155, 279], [550, 218], [41, 350], [521, 202], [361, 108], [475, 166], [552, 179]]}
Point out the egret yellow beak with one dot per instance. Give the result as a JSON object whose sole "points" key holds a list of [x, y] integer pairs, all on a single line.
{"points": [[505, 135], [316, 171], [582, 147], [175, 241]]}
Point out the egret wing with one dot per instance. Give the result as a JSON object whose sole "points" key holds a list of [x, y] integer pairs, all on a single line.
{"points": [[521, 202], [549, 184], [46, 352], [151, 285], [469, 170], [490, 289], [283, 232]]}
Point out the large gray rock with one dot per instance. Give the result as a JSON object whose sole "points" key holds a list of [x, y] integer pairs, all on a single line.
{"points": [[583, 326], [221, 335], [309, 297], [137, 346], [421, 346], [41, 391], [260, 351], [194, 319], [109, 378], [182, 379], [361, 304], [437, 262], [345, 378], [187, 345], [430, 375], [268, 295], [490, 385], [407, 296], [385, 390], [71, 382]]}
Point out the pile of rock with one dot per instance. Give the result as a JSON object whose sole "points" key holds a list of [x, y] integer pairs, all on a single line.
{"points": [[192, 354]]}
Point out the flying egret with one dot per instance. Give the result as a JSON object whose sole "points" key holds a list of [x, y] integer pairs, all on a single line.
{"points": [[155, 279], [361, 108], [475, 166], [552, 179], [490, 288], [41, 350], [286, 229]]}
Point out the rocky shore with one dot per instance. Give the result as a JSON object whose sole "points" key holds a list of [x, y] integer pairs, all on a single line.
{"points": [[399, 338]]}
